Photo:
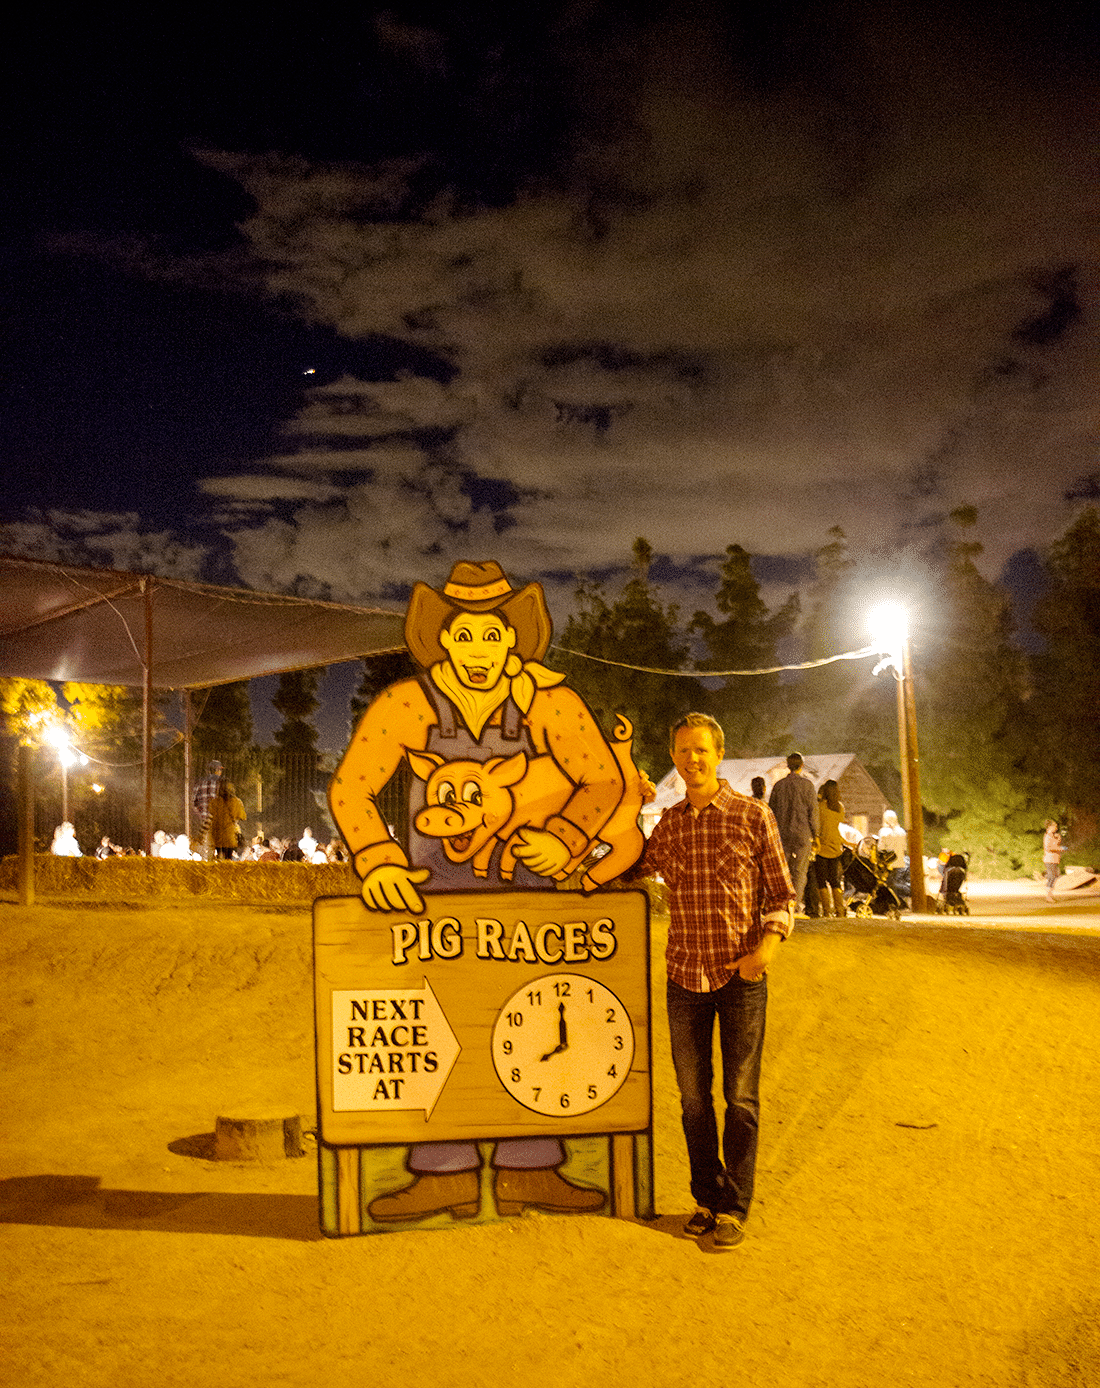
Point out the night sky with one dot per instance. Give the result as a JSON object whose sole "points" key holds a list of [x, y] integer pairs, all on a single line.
{"points": [[323, 302]]}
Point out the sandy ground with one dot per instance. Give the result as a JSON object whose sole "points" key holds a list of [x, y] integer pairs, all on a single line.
{"points": [[925, 1205]]}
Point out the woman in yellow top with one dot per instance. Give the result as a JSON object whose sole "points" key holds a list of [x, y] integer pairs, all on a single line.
{"points": [[226, 813], [830, 847]]}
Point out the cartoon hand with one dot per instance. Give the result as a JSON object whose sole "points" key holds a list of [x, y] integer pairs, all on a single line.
{"points": [[390, 888], [541, 851], [648, 789]]}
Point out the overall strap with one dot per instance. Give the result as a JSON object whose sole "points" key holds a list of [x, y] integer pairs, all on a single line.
{"points": [[511, 721], [511, 718], [444, 709]]}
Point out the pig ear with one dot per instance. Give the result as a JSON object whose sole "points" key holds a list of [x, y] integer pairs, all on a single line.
{"points": [[506, 772], [423, 763]]}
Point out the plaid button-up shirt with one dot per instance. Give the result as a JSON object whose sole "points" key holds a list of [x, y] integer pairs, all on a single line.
{"points": [[205, 792], [728, 882]]}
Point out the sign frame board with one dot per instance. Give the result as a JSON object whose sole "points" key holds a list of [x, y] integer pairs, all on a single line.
{"points": [[437, 995]]}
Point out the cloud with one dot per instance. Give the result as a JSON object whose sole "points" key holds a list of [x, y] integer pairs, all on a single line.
{"points": [[740, 315], [102, 539]]}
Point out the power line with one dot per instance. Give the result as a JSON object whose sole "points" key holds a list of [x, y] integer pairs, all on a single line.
{"points": [[722, 674]]}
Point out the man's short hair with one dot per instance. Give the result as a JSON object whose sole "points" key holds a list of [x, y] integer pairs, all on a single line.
{"points": [[794, 761], [699, 720]]}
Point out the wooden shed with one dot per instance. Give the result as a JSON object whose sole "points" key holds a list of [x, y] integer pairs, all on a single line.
{"points": [[859, 792]]}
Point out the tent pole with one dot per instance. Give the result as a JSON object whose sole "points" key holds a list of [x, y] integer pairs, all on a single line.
{"points": [[187, 724], [25, 797], [147, 718]]}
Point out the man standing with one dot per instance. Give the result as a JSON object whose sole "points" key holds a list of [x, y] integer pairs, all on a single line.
{"points": [[205, 792], [730, 896], [793, 801]]}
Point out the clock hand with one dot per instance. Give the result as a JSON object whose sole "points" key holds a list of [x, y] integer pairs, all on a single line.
{"points": [[563, 1035]]}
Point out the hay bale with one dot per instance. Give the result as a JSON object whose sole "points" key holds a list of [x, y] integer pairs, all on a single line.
{"points": [[142, 879]]}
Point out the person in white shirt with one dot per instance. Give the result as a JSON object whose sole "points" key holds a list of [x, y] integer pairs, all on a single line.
{"points": [[64, 842], [892, 838]]}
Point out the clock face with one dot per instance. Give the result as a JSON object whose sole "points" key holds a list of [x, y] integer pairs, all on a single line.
{"points": [[563, 1045]]}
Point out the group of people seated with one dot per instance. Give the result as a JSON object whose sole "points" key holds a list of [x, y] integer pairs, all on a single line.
{"points": [[164, 846], [307, 850], [261, 850], [271, 849]]}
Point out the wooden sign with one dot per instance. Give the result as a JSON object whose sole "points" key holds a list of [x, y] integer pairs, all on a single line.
{"points": [[483, 1041], [489, 1016]]}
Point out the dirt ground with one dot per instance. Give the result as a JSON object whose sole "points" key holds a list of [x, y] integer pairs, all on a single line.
{"points": [[926, 1195]]}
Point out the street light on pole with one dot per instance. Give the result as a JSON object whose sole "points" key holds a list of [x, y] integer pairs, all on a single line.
{"points": [[67, 756], [890, 628]]}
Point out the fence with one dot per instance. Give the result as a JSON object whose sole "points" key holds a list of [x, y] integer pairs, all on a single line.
{"points": [[283, 793]]}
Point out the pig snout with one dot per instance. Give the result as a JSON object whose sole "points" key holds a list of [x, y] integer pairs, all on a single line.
{"points": [[444, 821]]}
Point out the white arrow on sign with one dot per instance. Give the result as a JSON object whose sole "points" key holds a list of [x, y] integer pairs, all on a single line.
{"points": [[392, 1048]]}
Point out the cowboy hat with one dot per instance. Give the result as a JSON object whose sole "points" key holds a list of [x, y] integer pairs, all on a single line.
{"points": [[474, 587]]}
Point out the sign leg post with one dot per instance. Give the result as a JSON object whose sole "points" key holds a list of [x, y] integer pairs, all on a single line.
{"points": [[349, 1217]]}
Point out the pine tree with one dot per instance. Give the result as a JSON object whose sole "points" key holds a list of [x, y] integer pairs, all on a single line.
{"points": [[1063, 720], [750, 709], [379, 672], [223, 723], [970, 687], [296, 699], [841, 707], [634, 629], [297, 799]]}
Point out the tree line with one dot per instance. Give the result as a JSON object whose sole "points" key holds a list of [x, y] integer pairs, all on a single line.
{"points": [[1008, 732]]}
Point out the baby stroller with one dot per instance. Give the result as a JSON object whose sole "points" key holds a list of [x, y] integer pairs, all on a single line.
{"points": [[951, 900], [867, 872]]}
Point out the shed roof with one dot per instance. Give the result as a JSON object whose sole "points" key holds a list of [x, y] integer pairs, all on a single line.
{"points": [[843, 767], [739, 772]]}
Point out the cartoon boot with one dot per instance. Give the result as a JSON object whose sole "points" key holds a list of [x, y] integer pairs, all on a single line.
{"points": [[542, 1188], [432, 1193]]}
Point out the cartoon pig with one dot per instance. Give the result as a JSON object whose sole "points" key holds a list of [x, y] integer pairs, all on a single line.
{"points": [[471, 806]]}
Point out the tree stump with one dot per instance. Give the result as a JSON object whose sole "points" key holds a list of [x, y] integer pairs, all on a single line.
{"points": [[262, 1137]]}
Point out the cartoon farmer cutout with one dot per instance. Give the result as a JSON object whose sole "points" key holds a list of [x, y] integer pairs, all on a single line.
{"points": [[514, 785]]}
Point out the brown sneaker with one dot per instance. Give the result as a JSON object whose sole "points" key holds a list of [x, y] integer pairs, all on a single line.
{"points": [[729, 1231], [700, 1223]]}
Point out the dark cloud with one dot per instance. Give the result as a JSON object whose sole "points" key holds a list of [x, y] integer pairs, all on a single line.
{"points": [[708, 276], [761, 328]]}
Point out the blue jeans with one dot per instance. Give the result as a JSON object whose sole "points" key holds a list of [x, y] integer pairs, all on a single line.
{"points": [[798, 865], [740, 1009]]}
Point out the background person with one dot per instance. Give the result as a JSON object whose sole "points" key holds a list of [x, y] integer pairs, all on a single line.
{"points": [[205, 792], [64, 842], [830, 850], [794, 804], [1053, 848], [892, 838], [226, 814]]}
